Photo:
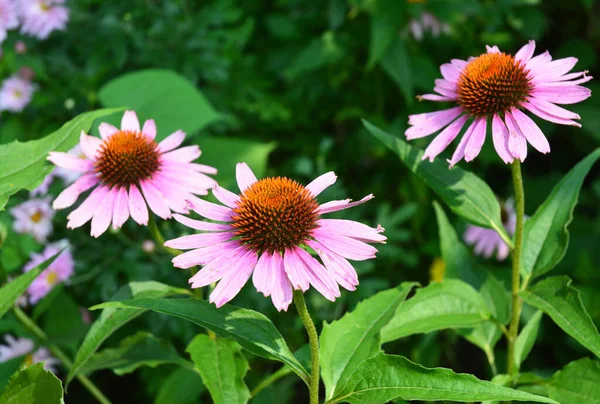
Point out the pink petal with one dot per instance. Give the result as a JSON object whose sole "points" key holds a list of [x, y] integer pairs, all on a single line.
{"points": [[321, 183], [106, 130], [552, 109], [500, 137], [68, 197], [217, 268], [450, 72], [244, 176], [294, 268], [281, 288], [476, 140], [149, 129], [544, 112], [86, 210], [555, 69], [200, 225], [261, 278], [318, 275], [69, 162], [231, 284], [174, 196], [517, 144], [130, 122], [210, 210], [459, 153], [530, 130], [137, 206], [90, 145], [341, 270], [492, 49], [435, 97], [345, 246], [121, 209], [525, 53], [563, 94], [198, 240], [334, 206], [183, 155], [156, 202], [104, 213], [172, 141], [459, 63], [538, 62], [225, 196], [445, 137], [430, 122], [206, 255], [350, 228], [201, 168]]}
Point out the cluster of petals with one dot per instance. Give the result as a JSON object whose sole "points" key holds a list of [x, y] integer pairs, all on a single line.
{"points": [[16, 93], [549, 82], [486, 241], [427, 22], [59, 271], [33, 217], [18, 347], [8, 17], [274, 273], [41, 17], [174, 182]]}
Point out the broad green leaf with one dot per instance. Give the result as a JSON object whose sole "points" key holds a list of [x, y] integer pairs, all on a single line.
{"points": [[466, 194], [141, 349], [8, 368], [31, 386], [388, 377], [386, 21], [396, 64], [546, 237], [557, 298], [10, 292], [222, 366], [526, 338], [318, 53], [24, 166], [451, 304], [349, 341], [182, 386], [165, 96], [577, 383], [112, 319], [252, 330]]}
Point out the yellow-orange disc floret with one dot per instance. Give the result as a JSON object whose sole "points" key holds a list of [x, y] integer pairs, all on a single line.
{"points": [[274, 214], [126, 158], [492, 83]]}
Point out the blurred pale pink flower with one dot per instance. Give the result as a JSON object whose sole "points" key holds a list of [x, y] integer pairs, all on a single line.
{"points": [[42, 189], [20, 47], [148, 246], [427, 22], [267, 229], [496, 87], [121, 163], [34, 217], [486, 241], [15, 94], [8, 18], [67, 175], [41, 17], [59, 271], [16, 347]]}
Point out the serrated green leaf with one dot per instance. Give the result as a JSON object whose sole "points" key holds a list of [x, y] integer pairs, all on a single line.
{"points": [[222, 366], [24, 166], [33, 385], [466, 194], [577, 383], [388, 377], [526, 338], [165, 96], [451, 304], [252, 330], [546, 236], [349, 341], [557, 298]]}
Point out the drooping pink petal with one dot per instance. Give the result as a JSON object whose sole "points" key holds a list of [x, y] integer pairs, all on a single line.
{"points": [[121, 209], [107, 130], [183, 154], [232, 282], [261, 278], [216, 269], [430, 122], [353, 229], [201, 168], [281, 288], [130, 122], [210, 210], [517, 144], [104, 213], [172, 141], [137, 206], [319, 277], [68, 197], [555, 69], [89, 145], [294, 268], [201, 225], [174, 196], [563, 94], [149, 129], [69, 162], [155, 200], [544, 112], [198, 240], [525, 53], [321, 183], [244, 176], [473, 146], [345, 246], [334, 206], [459, 153], [86, 210], [206, 255], [450, 71], [441, 141], [341, 270], [500, 137], [530, 130], [435, 97], [225, 196]]}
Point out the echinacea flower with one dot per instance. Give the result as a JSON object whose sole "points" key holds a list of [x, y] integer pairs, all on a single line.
{"points": [[8, 17], [42, 17], [486, 241], [267, 232], [34, 217], [495, 88], [15, 94], [123, 162], [16, 347], [59, 271]]}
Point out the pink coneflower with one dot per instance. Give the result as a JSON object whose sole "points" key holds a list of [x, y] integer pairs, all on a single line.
{"points": [[15, 94], [59, 271], [8, 18], [486, 241], [496, 87], [34, 217], [266, 232], [16, 347], [123, 162], [41, 17]]}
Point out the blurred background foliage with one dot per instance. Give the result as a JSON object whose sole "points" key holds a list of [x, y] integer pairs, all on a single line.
{"points": [[288, 82]]}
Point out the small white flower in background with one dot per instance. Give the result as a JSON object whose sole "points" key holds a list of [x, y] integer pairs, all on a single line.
{"points": [[16, 93], [486, 241], [16, 347], [59, 271], [148, 246], [8, 18], [427, 22], [34, 217], [70, 176], [41, 17], [42, 189]]}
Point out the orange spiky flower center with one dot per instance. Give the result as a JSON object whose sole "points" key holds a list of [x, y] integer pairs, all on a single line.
{"points": [[127, 158], [493, 83], [274, 214]]}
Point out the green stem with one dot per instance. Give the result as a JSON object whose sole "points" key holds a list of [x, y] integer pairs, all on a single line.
{"points": [[56, 351], [272, 378], [517, 302], [158, 237], [313, 339]]}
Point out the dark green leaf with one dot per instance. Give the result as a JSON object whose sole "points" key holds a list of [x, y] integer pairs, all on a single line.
{"points": [[526, 338], [33, 385], [386, 21], [8, 368], [397, 65], [183, 386], [577, 383]]}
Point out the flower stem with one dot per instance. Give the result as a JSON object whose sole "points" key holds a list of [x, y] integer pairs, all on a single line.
{"points": [[56, 351], [158, 237], [267, 381], [313, 339], [517, 302]]}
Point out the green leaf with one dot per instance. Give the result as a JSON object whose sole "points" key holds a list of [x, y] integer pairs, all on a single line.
{"points": [[577, 383], [141, 349], [318, 53], [33, 385], [165, 96], [557, 298], [526, 338], [252, 330], [451, 304], [23, 165], [546, 237], [466, 194], [354, 338], [396, 64], [8, 368], [386, 21], [112, 319], [182, 386], [388, 377], [10, 292], [222, 366]]}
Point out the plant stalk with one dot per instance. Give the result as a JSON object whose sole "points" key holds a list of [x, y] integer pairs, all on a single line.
{"points": [[313, 339], [158, 237]]}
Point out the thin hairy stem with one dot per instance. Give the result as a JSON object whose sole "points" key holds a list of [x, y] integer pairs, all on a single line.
{"points": [[313, 339]]}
